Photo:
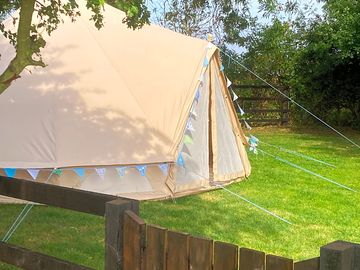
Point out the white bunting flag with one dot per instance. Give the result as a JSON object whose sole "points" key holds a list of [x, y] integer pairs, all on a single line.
{"points": [[228, 82], [101, 172], [34, 173], [240, 109], [235, 96], [247, 125]]}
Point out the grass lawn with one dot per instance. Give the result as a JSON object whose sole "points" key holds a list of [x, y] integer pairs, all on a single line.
{"points": [[320, 211]]}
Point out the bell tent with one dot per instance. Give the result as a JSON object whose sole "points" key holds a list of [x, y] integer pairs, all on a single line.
{"points": [[143, 114]]}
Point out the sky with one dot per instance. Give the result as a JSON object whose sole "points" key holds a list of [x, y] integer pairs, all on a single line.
{"points": [[305, 5]]}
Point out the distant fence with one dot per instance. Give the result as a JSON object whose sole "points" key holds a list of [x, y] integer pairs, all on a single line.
{"points": [[263, 106], [131, 244]]}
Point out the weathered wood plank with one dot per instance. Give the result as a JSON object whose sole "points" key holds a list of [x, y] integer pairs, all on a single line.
{"points": [[338, 255], [225, 256], [134, 241], [278, 263], [29, 260], [251, 259], [114, 227], [200, 253], [68, 198], [155, 258], [177, 250], [310, 264]]}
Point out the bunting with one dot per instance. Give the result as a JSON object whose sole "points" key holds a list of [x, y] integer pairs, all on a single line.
{"points": [[228, 82], [247, 125], [253, 141], [58, 172], [206, 62], [164, 168], [180, 161], [80, 171], [33, 173], [10, 172], [188, 139], [141, 169], [189, 126], [197, 96], [222, 68], [240, 109], [101, 172], [121, 171], [235, 96]]}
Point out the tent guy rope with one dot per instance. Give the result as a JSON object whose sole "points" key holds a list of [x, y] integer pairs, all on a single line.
{"points": [[254, 204], [306, 170], [20, 218]]}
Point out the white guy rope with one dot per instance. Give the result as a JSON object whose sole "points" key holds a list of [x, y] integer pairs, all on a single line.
{"points": [[293, 101], [297, 154], [306, 170], [254, 204], [20, 218]]}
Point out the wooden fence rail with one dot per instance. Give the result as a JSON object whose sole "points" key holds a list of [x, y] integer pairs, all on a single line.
{"points": [[262, 104]]}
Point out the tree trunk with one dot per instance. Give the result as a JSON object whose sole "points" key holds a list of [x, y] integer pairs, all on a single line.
{"points": [[24, 47]]}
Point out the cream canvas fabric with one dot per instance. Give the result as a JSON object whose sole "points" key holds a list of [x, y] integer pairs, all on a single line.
{"points": [[120, 98]]}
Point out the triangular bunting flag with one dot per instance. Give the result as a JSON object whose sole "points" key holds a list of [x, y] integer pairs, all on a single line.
{"points": [[241, 111], [186, 150], [193, 112], [197, 95], [57, 172], [201, 78], [253, 140], [164, 168], [34, 173], [235, 96], [206, 62], [188, 139], [180, 161], [80, 171], [141, 169], [101, 172], [10, 172], [228, 82], [189, 126], [121, 171], [222, 67], [247, 125]]}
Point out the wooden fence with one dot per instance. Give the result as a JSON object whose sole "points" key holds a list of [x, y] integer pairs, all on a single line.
{"points": [[148, 247], [262, 104], [130, 244]]}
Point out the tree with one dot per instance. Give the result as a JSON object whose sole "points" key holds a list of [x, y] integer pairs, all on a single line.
{"points": [[328, 65], [27, 38]]}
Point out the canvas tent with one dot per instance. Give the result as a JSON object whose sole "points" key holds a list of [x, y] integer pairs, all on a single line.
{"points": [[142, 114]]}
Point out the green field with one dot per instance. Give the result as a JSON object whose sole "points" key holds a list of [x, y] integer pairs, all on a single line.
{"points": [[320, 211]]}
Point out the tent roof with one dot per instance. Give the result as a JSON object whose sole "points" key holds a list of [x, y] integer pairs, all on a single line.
{"points": [[108, 97]]}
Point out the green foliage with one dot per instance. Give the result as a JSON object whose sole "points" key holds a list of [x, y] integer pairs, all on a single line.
{"points": [[328, 65]]}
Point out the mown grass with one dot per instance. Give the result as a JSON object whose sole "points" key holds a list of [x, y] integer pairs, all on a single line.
{"points": [[320, 211]]}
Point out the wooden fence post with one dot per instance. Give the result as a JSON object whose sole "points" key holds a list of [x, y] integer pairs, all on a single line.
{"points": [[340, 255], [114, 227]]}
